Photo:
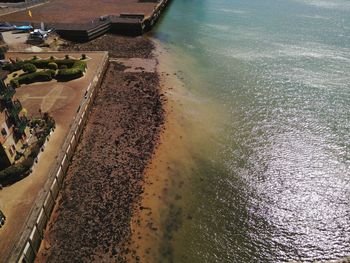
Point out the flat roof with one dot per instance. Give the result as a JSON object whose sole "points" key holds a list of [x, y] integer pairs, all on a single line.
{"points": [[74, 11]]}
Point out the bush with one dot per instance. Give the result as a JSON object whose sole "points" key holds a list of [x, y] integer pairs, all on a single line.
{"points": [[68, 62], [14, 83], [20, 170], [80, 64], [28, 162], [52, 65], [83, 57], [13, 173], [29, 68], [13, 66], [51, 72], [39, 63], [76, 71], [69, 74], [34, 77], [35, 151], [68, 69]]}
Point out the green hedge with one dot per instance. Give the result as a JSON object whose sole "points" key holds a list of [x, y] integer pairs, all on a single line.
{"points": [[40, 63], [76, 71], [44, 63], [52, 65], [46, 75], [13, 67], [29, 68], [80, 64], [14, 83], [16, 172], [69, 73], [68, 69]]}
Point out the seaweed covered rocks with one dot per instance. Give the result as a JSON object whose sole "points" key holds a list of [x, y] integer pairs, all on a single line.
{"points": [[104, 180]]}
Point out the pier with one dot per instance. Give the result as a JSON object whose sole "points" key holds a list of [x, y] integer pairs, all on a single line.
{"points": [[122, 20]]}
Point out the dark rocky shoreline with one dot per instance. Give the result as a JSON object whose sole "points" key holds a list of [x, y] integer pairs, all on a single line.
{"points": [[117, 46], [105, 179]]}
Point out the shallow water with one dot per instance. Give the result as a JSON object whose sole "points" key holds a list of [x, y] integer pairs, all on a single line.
{"points": [[269, 178]]}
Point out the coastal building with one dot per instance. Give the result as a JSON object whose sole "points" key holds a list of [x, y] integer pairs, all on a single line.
{"points": [[13, 125]]}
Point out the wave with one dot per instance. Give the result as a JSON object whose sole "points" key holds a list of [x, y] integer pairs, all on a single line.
{"points": [[330, 4]]}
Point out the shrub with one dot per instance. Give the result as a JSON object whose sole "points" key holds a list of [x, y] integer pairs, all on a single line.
{"points": [[35, 151], [28, 162], [66, 56], [80, 64], [35, 122], [52, 65], [34, 77], [13, 173], [20, 170], [29, 68], [13, 66], [34, 58], [83, 57], [14, 83], [68, 62], [51, 72], [69, 74], [68, 69], [43, 63], [52, 58], [76, 71], [39, 63]]}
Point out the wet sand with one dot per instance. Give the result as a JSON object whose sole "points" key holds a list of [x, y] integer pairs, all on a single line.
{"points": [[190, 120], [91, 221], [147, 240]]}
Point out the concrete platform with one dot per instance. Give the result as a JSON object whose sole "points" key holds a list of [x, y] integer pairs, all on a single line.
{"points": [[75, 11], [80, 23]]}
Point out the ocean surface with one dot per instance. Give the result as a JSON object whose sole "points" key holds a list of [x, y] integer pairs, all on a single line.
{"points": [[267, 131]]}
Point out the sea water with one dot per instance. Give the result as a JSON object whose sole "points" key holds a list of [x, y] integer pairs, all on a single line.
{"points": [[269, 178]]}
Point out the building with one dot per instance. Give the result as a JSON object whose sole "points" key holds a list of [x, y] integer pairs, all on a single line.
{"points": [[13, 125]]}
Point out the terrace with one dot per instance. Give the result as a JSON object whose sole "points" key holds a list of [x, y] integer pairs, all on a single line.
{"points": [[64, 101]]}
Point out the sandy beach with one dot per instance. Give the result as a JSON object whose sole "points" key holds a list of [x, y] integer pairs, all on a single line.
{"points": [[149, 241], [188, 120]]}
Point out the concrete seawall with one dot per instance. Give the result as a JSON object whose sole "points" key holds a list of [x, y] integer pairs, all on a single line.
{"points": [[29, 242]]}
